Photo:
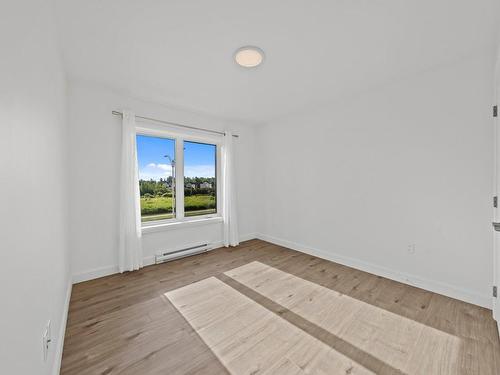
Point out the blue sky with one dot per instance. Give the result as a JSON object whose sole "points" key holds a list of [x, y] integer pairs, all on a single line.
{"points": [[199, 159]]}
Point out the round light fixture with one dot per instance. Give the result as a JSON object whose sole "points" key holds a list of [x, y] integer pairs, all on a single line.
{"points": [[249, 56]]}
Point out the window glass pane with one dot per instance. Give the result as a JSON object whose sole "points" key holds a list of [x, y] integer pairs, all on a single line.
{"points": [[200, 185], [155, 158]]}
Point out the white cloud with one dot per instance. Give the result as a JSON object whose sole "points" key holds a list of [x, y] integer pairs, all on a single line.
{"points": [[199, 171], [154, 171], [165, 167]]}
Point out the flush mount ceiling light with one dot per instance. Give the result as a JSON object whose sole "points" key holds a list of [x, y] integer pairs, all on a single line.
{"points": [[249, 56]]}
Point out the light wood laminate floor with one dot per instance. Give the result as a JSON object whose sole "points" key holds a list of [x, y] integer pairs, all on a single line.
{"points": [[264, 309]]}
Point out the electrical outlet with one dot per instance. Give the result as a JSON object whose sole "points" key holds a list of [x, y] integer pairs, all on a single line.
{"points": [[47, 339], [411, 248]]}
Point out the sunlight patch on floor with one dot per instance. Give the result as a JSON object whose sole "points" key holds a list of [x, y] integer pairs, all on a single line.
{"points": [[249, 339], [402, 343]]}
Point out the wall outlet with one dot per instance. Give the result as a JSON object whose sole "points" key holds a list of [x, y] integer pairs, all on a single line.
{"points": [[411, 248], [47, 339]]}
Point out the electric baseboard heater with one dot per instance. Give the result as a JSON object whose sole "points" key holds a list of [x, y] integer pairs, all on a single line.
{"points": [[181, 253]]}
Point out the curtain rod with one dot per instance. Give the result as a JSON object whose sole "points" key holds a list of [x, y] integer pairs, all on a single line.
{"points": [[116, 113]]}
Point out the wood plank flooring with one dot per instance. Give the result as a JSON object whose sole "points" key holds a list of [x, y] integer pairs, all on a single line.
{"points": [[264, 309]]}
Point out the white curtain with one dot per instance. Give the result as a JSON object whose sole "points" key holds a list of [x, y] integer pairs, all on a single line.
{"points": [[229, 192], [130, 246]]}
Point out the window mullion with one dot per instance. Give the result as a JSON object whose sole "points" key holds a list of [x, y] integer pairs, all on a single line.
{"points": [[179, 178]]}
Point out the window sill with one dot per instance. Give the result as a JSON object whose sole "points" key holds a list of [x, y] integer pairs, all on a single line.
{"points": [[180, 224]]}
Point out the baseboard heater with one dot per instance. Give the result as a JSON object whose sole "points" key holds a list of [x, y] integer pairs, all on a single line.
{"points": [[182, 253]]}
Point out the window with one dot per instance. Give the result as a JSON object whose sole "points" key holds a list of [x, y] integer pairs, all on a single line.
{"points": [[156, 161], [200, 188], [177, 178]]}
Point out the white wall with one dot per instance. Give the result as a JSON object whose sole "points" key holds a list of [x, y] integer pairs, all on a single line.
{"points": [[95, 138], [409, 163], [34, 280]]}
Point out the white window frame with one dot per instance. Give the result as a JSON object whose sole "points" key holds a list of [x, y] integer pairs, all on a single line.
{"points": [[180, 138]]}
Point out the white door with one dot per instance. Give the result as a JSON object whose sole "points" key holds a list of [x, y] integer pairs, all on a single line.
{"points": [[496, 214]]}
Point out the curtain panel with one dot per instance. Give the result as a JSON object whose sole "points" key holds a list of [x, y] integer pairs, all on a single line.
{"points": [[130, 232]]}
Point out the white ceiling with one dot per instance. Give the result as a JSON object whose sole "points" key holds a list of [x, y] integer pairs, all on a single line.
{"points": [[179, 52]]}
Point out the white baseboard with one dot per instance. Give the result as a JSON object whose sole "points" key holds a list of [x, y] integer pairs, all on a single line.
{"points": [[216, 245], [147, 261], [95, 273], [105, 271], [430, 285], [248, 236], [62, 332]]}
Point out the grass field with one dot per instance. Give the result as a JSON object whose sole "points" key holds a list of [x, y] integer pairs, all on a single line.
{"points": [[160, 208]]}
